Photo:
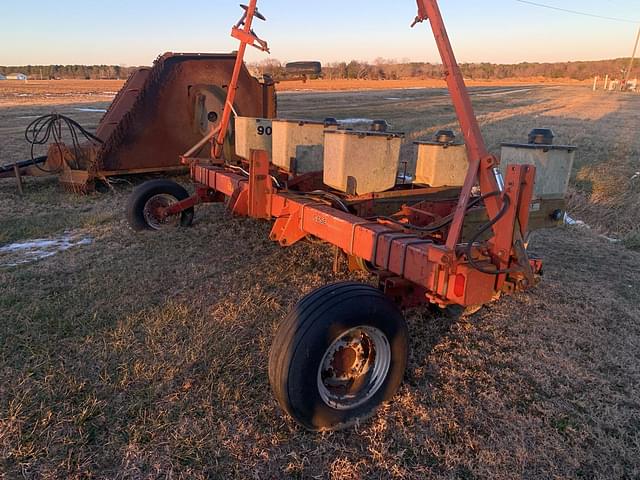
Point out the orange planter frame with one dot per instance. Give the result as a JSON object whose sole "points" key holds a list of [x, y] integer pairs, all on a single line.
{"points": [[413, 267]]}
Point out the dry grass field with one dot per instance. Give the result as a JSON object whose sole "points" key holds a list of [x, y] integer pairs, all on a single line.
{"points": [[145, 355], [42, 92], [56, 92], [352, 84]]}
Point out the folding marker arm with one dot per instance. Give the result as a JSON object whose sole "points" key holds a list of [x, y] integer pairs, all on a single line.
{"points": [[243, 32], [481, 162]]}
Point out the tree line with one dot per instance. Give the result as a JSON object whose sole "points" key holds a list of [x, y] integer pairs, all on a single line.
{"points": [[78, 72], [379, 69], [384, 69]]}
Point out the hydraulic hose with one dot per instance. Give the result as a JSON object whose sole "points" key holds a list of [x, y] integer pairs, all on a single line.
{"points": [[440, 224], [50, 127], [506, 203]]}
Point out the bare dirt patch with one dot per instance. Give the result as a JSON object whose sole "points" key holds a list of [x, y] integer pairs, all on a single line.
{"points": [[144, 355]]}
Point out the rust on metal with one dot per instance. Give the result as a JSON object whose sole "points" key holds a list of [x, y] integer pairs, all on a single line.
{"points": [[158, 114], [163, 111]]}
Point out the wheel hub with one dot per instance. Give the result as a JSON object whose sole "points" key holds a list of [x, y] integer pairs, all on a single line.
{"points": [[154, 211], [344, 360], [354, 367]]}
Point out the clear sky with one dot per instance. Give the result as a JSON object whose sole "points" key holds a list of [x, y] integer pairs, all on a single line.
{"points": [[134, 32]]}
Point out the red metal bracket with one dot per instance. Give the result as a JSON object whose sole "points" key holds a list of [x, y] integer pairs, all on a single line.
{"points": [[249, 38], [239, 200], [286, 229], [260, 185], [404, 293]]}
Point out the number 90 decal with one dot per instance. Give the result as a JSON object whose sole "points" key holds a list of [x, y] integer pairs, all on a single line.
{"points": [[264, 130]]}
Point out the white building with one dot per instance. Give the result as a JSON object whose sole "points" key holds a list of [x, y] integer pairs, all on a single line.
{"points": [[16, 76]]}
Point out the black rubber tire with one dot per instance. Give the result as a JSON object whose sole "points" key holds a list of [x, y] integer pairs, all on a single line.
{"points": [[142, 194], [310, 329]]}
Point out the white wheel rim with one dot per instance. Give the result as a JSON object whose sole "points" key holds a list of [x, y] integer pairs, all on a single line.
{"points": [[354, 368], [162, 200]]}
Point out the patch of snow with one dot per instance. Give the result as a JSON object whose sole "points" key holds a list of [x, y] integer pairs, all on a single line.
{"points": [[98, 110], [579, 223], [355, 120], [570, 221], [503, 92], [393, 98], [21, 253], [611, 239]]}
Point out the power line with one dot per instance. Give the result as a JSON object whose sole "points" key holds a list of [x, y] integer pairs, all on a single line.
{"points": [[578, 13]]}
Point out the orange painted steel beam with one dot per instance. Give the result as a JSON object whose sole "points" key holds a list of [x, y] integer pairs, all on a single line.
{"points": [[406, 255]]}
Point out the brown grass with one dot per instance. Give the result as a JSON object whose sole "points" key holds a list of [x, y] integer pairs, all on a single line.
{"points": [[353, 84], [48, 92], [144, 356]]}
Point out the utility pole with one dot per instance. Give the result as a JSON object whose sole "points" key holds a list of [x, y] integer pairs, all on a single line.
{"points": [[595, 83], [633, 57]]}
